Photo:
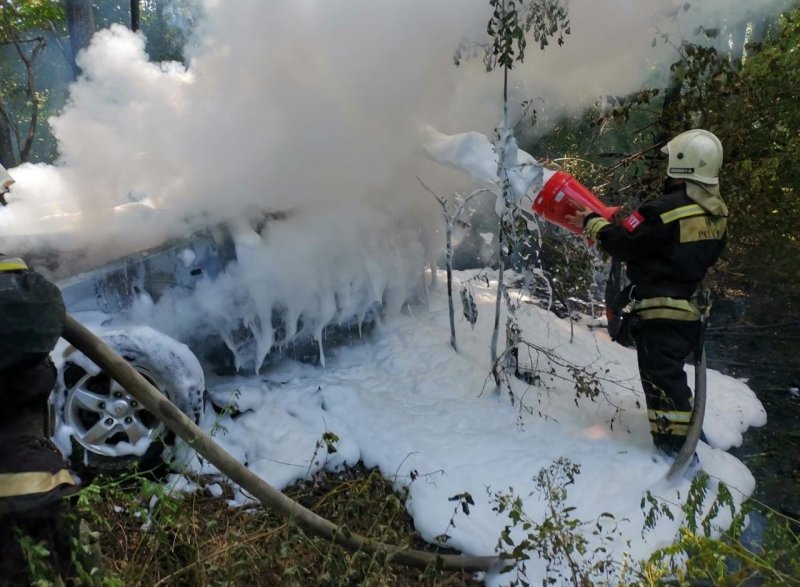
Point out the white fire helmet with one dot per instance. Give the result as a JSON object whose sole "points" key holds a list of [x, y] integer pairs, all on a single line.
{"points": [[5, 180], [696, 155]]}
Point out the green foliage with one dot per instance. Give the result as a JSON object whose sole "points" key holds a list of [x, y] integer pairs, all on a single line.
{"points": [[705, 552], [508, 36], [37, 556], [762, 175], [463, 501], [136, 530], [709, 549], [569, 266], [547, 19], [330, 440], [559, 539], [545, 371], [31, 15], [587, 383], [512, 20]]}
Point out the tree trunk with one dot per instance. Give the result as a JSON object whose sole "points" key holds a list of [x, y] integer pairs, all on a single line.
{"points": [[449, 265], [29, 60], [8, 157], [80, 23], [156, 41], [135, 15]]}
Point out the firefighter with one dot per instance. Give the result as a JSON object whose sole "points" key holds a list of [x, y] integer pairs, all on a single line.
{"points": [[33, 475], [668, 244]]}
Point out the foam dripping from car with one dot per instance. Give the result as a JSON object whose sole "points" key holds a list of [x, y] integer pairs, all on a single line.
{"points": [[320, 278]]}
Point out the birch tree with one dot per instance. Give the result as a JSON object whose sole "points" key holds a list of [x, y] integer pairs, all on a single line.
{"points": [[510, 24], [451, 216]]}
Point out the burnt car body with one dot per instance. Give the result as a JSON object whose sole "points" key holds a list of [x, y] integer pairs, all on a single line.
{"points": [[176, 268], [94, 419]]}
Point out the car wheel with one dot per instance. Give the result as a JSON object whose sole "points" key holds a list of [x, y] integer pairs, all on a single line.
{"points": [[104, 427]]}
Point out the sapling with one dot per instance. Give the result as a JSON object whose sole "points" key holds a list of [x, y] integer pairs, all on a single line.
{"points": [[451, 215], [508, 26]]}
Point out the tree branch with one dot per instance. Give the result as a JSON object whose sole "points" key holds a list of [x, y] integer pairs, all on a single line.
{"points": [[59, 43], [19, 41], [634, 156], [28, 61]]}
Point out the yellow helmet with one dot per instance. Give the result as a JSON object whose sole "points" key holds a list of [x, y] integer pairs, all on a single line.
{"points": [[695, 155]]}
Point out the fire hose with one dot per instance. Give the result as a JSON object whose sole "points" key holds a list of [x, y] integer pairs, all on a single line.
{"points": [[147, 395], [698, 409]]}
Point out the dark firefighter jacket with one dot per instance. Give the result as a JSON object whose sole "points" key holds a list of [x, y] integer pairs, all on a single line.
{"points": [[33, 478], [32, 314], [668, 245]]}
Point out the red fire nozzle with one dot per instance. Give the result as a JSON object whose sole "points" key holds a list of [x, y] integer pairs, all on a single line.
{"points": [[562, 195]]}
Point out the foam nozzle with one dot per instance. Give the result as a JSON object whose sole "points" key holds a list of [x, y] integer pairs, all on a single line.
{"points": [[562, 195]]}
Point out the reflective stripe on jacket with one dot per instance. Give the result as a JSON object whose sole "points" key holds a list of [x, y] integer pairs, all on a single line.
{"points": [[666, 307], [668, 244], [30, 482], [12, 264]]}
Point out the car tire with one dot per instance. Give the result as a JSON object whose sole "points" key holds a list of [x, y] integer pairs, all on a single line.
{"points": [[101, 426]]}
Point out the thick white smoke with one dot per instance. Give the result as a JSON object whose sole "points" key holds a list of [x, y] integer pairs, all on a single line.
{"points": [[313, 105]]}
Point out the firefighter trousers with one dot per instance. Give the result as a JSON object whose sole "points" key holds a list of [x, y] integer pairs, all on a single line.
{"points": [[662, 348]]}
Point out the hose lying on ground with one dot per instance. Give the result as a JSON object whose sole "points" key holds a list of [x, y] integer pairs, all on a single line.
{"points": [[119, 370]]}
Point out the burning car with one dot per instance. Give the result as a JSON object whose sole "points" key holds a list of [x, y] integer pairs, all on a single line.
{"points": [[137, 305]]}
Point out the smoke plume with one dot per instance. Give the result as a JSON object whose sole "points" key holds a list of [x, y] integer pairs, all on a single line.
{"points": [[313, 106]]}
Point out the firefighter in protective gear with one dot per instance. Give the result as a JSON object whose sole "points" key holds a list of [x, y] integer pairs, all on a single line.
{"points": [[668, 244], [32, 315], [34, 478]]}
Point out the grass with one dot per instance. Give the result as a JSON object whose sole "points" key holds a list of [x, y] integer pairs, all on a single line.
{"points": [[132, 531], [135, 530]]}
